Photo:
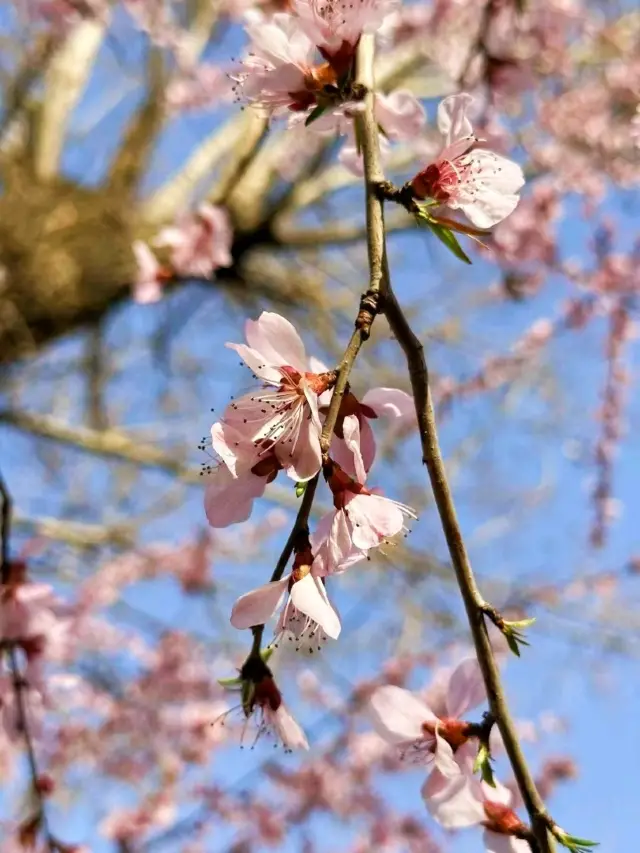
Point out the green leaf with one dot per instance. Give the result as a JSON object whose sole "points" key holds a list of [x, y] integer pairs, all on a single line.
{"points": [[573, 843], [230, 683], [266, 653], [445, 235], [315, 113], [482, 764], [300, 489], [513, 633]]}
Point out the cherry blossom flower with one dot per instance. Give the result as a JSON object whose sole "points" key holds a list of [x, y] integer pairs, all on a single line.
{"points": [[200, 243], [360, 521], [281, 418], [464, 801], [307, 616], [150, 276], [335, 26], [275, 717], [482, 184], [278, 72], [355, 447], [262, 703], [430, 733]]}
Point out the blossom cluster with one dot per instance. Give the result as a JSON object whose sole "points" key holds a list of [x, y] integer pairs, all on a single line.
{"points": [[432, 731], [277, 428]]}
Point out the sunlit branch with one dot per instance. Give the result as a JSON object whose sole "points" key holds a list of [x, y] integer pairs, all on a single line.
{"points": [[64, 83], [475, 606]]}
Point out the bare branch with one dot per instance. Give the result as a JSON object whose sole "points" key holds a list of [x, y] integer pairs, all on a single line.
{"points": [[170, 198], [64, 84], [474, 604], [115, 444], [77, 534]]}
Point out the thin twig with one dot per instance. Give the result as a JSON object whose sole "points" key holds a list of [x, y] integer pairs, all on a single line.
{"points": [[432, 457], [17, 681], [475, 605], [366, 315]]}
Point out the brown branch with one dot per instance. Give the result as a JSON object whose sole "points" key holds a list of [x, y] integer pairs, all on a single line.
{"points": [[474, 604], [366, 315], [78, 534], [114, 444]]}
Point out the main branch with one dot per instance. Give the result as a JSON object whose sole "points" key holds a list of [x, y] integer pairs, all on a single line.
{"points": [[432, 457]]}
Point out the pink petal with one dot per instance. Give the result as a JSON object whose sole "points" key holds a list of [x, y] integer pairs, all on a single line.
{"points": [[229, 500], [259, 605], [400, 114], [498, 793], [312, 402], [307, 458], [288, 729], [444, 760], [373, 518], [392, 403], [317, 366], [453, 123], [466, 688], [367, 445], [351, 432], [223, 446], [340, 543], [257, 363], [455, 803], [397, 715], [490, 193], [498, 843], [436, 693], [309, 597], [276, 340]]}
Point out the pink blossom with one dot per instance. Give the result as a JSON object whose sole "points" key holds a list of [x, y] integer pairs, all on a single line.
{"points": [[271, 714], [200, 243], [150, 276], [464, 801], [354, 446], [360, 521], [278, 71], [281, 418], [336, 25], [307, 615], [482, 184], [430, 733]]}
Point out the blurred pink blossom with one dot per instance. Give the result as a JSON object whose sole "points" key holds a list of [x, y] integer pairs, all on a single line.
{"points": [[200, 242], [464, 801]]}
